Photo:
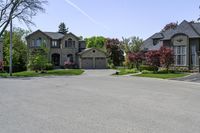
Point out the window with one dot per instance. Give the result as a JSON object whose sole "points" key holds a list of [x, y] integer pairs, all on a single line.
{"points": [[193, 55], [55, 44], [155, 41], [70, 43], [180, 55], [38, 42]]}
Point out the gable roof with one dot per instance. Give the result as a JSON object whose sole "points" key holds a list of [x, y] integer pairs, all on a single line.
{"points": [[191, 29], [89, 49], [184, 28], [54, 35]]}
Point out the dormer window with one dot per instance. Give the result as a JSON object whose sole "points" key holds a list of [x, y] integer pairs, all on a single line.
{"points": [[155, 41]]}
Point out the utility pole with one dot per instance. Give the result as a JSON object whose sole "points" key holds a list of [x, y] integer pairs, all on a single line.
{"points": [[10, 68]]}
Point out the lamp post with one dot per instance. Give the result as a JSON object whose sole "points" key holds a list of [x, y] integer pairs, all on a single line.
{"points": [[199, 59]]}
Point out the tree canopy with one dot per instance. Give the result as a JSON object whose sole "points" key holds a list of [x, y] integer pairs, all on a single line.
{"points": [[96, 42], [132, 44], [62, 28], [19, 47], [23, 10]]}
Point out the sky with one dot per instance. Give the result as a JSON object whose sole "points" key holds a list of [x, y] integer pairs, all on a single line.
{"points": [[114, 18]]}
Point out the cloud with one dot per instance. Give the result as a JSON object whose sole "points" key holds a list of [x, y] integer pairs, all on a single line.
{"points": [[86, 15]]}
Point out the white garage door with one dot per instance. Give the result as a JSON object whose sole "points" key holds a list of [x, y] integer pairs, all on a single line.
{"points": [[87, 63], [100, 63]]}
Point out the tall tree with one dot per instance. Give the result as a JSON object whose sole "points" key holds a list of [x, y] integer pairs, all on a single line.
{"points": [[23, 10], [19, 48], [62, 28], [132, 44], [115, 52]]}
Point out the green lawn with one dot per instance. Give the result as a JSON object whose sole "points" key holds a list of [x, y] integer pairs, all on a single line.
{"points": [[163, 76], [125, 71], [62, 72]]}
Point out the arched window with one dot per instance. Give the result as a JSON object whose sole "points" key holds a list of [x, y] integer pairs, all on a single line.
{"points": [[70, 43], [38, 42], [70, 58]]}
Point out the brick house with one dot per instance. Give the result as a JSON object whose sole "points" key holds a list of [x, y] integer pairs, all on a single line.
{"points": [[184, 40]]}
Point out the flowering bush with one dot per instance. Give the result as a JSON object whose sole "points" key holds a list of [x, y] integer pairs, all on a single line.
{"points": [[136, 58], [166, 57], [69, 65], [153, 58]]}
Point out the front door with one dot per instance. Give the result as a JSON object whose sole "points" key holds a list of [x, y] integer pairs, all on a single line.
{"points": [[56, 59]]}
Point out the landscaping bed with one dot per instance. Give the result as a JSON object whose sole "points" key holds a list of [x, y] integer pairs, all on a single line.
{"points": [[62, 72]]}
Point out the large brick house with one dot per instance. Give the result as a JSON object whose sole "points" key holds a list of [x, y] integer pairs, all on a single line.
{"points": [[67, 48], [184, 40]]}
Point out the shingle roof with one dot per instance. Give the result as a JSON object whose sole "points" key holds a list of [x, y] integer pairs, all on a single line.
{"points": [[192, 30], [54, 35], [157, 35], [184, 28]]}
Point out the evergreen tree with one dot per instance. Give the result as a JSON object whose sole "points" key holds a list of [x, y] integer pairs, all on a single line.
{"points": [[62, 28]]}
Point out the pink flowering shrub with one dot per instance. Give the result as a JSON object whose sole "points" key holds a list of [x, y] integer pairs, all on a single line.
{"points": [[69, 65]]}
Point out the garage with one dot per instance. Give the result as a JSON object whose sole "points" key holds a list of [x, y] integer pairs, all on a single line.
{"points": [[87, 63], [92, 58], [100, 63]]}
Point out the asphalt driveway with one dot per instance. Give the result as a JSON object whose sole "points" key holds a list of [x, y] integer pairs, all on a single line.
{"points": [[98, 103], [191, 78]]}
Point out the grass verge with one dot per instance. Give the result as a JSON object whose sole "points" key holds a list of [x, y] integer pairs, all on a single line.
{"points": [[163, 76], [62, 72]]}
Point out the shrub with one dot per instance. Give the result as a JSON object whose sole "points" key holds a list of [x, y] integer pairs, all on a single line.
{"points": [[153, 59], [165, 71], [148, 68], [69, 65], [112, 66], [136, 58], [166, 57], [147, 72], [16, 68], [1, 66], [49, 66]]}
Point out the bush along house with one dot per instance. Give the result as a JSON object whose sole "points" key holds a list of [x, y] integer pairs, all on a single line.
{"points": [[67, 50], [184, 39]]}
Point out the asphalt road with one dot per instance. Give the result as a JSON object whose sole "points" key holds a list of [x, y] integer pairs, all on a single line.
{"points": [[191, 78], [98, 103]]}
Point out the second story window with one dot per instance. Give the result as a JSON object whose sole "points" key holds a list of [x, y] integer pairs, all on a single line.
{"points": [[70, 43], [155, 41], [38, 42], [55, 44]]}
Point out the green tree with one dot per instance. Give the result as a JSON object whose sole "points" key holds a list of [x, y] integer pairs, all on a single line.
{"points": [[132, 44], [95, 42], [62, 28], [19, 48], [38, 59]]}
